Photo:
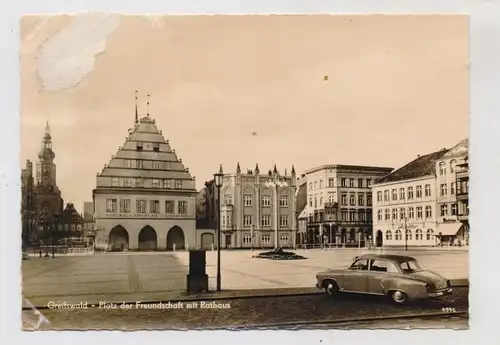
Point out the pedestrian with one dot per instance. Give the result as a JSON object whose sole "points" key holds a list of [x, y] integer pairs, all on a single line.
{"points": [[173, 247]]}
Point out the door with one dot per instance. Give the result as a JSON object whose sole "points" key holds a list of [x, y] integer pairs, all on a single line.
{"points": [[355, 279], [378, 272], [228, 241]]}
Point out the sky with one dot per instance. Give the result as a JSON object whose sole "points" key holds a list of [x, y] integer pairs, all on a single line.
{"points": [[248, 89]]}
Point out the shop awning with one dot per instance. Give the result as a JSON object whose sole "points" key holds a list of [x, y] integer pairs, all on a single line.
{"points": [[448, 229]]}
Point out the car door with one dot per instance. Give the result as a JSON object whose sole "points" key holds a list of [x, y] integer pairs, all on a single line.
{"points": [[377, 272], [355, 278]]}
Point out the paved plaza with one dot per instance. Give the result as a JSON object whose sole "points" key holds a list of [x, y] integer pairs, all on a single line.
{"points": [[134, 274]]}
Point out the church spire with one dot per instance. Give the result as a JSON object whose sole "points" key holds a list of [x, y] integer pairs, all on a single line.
{"points": [[238, 169], [47, 127], [136, 111], [147, 105]]}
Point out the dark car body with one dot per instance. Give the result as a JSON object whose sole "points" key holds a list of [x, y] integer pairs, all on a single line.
{"points": [[398, 276]]}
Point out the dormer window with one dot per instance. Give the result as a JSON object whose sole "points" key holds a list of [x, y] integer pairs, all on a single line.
{"points": [[156, 147], [139, 146]]}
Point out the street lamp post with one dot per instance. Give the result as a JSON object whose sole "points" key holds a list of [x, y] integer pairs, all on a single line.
{"points": [[56, 218], [276, 182], [218, 183], [406, 234]]}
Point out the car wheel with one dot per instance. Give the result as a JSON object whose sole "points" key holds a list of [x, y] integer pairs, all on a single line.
{"points": [[331, 288], [399, 297]]}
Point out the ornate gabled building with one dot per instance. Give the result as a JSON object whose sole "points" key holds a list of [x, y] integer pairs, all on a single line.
{"points": [[48, 201], [71, 222], [257, 210], [28, 207], [145, 197]]}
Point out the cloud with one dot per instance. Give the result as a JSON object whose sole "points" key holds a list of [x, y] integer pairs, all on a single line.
{"points": [[67, 57]]}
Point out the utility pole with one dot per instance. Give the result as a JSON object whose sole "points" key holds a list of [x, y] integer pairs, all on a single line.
{"points": [[406, 234]]}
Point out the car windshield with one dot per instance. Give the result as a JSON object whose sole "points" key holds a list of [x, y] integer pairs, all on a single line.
{"points": [[410, 266]]}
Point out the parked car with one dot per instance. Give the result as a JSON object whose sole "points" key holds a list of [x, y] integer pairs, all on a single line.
{"points": [[399, 277]]}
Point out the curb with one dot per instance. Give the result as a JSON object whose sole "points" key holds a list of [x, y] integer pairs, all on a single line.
{"points": [[340, 321], [458, 283]]}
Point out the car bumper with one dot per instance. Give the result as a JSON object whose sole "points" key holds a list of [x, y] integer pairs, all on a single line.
{"points": [[440, 293]]}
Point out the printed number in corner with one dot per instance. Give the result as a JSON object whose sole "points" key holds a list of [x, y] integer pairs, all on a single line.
{"points": [[449, 310]]}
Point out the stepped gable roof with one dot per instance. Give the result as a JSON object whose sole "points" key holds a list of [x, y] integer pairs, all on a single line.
{"points": [[422, 166], [154, 147]]}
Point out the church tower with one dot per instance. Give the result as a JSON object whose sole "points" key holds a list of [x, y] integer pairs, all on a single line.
{"points": [[46, 169]]}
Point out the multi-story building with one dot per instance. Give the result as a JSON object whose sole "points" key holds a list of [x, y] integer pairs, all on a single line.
{"points": [[70, 222], [301, 207], [462, 175], [257, 210], [405, 204], [339, 209], [145, 196], [88, 219], [450, 229], [28, 207]]}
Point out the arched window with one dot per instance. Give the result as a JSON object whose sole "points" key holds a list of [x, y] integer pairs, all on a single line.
{"points": [[430, 234], [398, 235], [388, 235], [419, 235], [453, 164], [442, 168], [408, 235]]}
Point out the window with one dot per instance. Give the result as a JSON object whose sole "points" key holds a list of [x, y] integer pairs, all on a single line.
{"points": [[310, 186], [139, 146], [386, 195], [419, 212], [388, 235], [452, 188], [228, 199], [344, 199], [156, 147], [315, 184], [453, 164], [310, 202], [444, 189], [140, 164], [266, 201], [394, 213], [394, 194], [419, 191], [157, 165], [444, 210], [320, 184], [378, 265], [368, 182], [247, 199], [154, 206], [265, 238], [128, 182], [387, 214], [379, 196], [331, 183], [351, 182], [454, 209], [401, 193], [284, 238], [283, 221], [352, 200], [169, 206], [361, 216], [247, 220], [352, 215], [182, 207], [402, 213], [361, 199], [178, 184], [247, 239], [410, 193], [368, 199], [418, 235], [284, 201], [430, 234], [138, 182], [343, 182], [331, 198], [321, 201], [408, 234], [344, 215], [442, 168], [140, 206], [411, 212], [379, 214], [360, 183], [111, 205], [427, 190], [398, 235], [156, 183], [125, 205], [114, 182], [359, 265], [128, 163], [428, 211], [167, 184], [266, 220]]}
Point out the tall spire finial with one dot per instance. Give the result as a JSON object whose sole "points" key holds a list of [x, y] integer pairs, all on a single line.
{"points": [[147, 105], [136, 111], [47, 127], [275, 170], [238, 169]]}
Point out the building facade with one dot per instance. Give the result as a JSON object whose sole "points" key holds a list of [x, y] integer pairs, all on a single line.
{"points": [[450, 229], [28, 206], [88, 220], [339, 207], [71, 222], [145, 197], [301, 207], [462, 175], [48, 201], [257, 210]]}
